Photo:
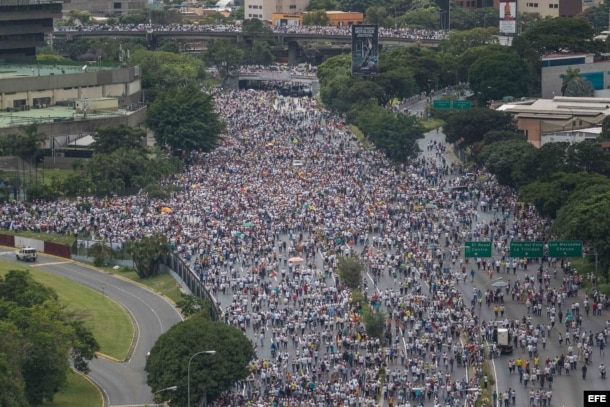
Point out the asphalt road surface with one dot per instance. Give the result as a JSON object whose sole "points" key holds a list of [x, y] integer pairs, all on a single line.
{"points": [[123, 383], [568, 391]]}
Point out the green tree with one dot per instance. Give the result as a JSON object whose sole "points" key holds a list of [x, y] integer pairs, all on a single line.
{"points": [[460, 41], [77, 17], [469, 127], [587, 220], [508, 161], [427, 18], [13, 348], [237, 14], [356, 5], [550, 194], [495, 136], [254, 30], [374, 323], [605, 134], [193, 305], [566, 78], [164, 70], [226, 55], [42, 339], [551, 159], [147, 253], [579, 87], [109, 139], [210, 375], [531, 58], [499, 72], [597, 16], [376, 15], [19, 288], [560, 34], [328, 5], [100, 252], [185, 119], [259, 53], [350, 271], [316, 17], [589, 157], [395, 134], [339, 65]]}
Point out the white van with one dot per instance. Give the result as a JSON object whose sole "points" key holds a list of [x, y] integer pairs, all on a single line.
{"points": [[26, 254]]}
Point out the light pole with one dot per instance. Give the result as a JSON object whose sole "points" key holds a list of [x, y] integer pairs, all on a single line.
{"points": [[188, 372], [171, 388]]}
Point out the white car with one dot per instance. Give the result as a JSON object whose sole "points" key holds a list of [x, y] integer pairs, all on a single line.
{"points": [[26, 254]]}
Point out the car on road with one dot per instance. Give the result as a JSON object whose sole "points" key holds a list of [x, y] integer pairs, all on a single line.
{"points": [[26, 254]]}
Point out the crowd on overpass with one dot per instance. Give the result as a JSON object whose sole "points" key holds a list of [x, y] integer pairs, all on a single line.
{"points": [[300, 70], [409, 33], [263, 221]]}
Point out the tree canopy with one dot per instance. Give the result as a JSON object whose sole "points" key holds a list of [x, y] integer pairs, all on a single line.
{"points": [[146, 254], [185, 119], [560, 34], [210, 375], [499, 72], [39, 341], [469, 127]]}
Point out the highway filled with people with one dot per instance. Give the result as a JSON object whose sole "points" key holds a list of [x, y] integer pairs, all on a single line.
{"points": [[264, 219]]}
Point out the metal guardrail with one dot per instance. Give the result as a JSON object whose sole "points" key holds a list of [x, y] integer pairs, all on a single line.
{"points": [[173, 262], [192, 281]]}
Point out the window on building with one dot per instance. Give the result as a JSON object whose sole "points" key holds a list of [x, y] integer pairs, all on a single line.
{"points": [[292, 6], [117, 5]]}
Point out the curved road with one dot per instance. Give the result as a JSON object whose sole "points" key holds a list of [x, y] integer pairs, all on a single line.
{"points": [[123, 383]]}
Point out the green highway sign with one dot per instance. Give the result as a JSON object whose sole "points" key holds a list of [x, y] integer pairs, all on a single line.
{"points": [[526, 249], [565, 248], [477, 249], [462, 104], [442, 104]]}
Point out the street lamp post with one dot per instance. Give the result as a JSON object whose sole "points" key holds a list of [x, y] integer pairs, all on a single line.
{"points": [[188, 371], [171, 388]]}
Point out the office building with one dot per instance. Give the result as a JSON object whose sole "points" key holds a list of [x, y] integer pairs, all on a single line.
{"points": [[23, 25]]}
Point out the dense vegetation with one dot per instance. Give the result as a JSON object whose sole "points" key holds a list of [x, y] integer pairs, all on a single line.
{"points": [[210, 374], [40, 340], [567, 182]]}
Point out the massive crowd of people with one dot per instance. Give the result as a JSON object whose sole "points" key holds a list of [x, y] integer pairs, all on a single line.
{"points": [[264, 219]]}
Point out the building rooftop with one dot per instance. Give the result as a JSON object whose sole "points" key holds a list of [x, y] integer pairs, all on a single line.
{"points": [[53, 114], [10, 71]]}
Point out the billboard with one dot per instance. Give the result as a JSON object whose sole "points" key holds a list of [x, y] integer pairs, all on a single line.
{"points": [[365, 50], [508, 17]]}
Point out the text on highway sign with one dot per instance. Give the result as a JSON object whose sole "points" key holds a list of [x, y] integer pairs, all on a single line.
{"points": [[565, 248], [526, 249], [477, 249]]}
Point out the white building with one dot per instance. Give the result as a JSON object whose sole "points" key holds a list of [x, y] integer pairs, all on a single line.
{"points": [[575, 136]]}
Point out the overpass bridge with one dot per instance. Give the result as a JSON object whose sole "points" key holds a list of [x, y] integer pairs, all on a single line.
{"points": [[200, 39], [310, 81]]}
